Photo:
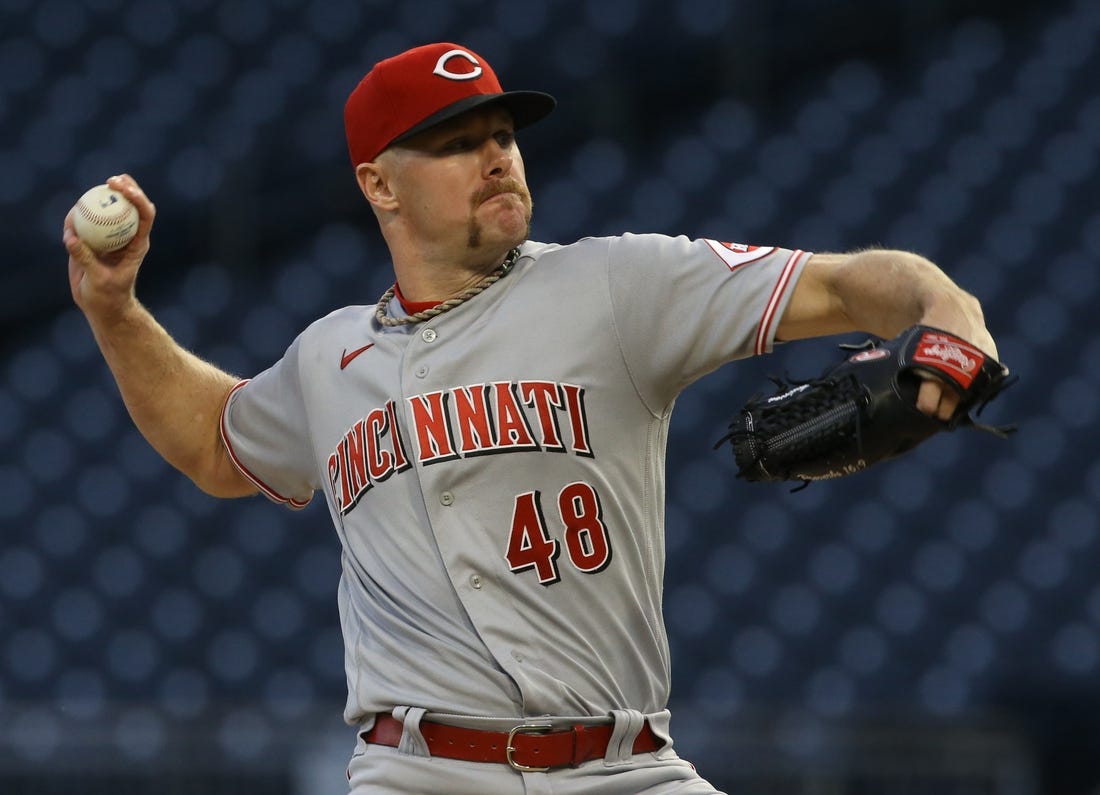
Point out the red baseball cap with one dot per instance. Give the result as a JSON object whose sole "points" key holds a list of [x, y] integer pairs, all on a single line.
{"points": [[408, 93]]}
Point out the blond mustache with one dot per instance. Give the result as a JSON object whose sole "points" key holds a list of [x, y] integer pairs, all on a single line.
{"points": [[507, 185]]}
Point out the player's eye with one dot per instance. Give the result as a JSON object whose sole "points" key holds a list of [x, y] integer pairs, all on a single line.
{"points": [[459, 144], [505, 138]]}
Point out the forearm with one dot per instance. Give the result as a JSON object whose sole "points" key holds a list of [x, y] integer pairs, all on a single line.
{"points": [[885, 292], [174, 397], [881, 291]]}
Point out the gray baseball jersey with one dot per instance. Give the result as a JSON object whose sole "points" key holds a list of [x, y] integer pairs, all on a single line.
{"points": [[496, 474]]}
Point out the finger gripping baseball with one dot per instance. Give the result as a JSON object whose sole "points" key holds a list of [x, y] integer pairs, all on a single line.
{"points": [[861, 410]]}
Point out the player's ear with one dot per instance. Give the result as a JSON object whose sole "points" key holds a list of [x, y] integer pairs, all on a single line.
{"points": [[375, 184]]}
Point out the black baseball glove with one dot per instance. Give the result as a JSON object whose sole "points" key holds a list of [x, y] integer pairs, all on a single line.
{"points": [[863, 410]]}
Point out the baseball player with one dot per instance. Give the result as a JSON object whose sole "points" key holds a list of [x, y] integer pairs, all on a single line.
{"points": [[489, 437]]}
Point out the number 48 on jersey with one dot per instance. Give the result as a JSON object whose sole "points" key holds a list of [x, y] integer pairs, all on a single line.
{"points": [[531, 544]]}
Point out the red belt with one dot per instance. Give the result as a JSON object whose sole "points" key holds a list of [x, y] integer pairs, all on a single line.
{"points": [[530, 748]]}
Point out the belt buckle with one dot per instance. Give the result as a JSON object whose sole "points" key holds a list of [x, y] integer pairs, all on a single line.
{"points": [[524, 728]]}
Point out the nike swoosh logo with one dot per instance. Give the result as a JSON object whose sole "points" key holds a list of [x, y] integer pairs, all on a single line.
{"points": [[346, 358]]}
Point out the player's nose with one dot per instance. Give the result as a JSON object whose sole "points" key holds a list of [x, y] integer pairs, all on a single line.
{"points": [[498, 160]]}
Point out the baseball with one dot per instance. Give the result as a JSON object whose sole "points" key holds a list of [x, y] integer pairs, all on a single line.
{"points": [[105, 219]]}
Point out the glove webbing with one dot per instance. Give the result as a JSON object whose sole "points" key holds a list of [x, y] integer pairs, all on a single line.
{"points": [[818, 422]]}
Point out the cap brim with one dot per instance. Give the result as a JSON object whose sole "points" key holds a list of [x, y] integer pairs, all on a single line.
{"points": [[526, 107]]}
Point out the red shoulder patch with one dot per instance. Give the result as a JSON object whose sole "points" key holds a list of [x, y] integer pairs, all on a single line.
{"points": [[734, 255]]}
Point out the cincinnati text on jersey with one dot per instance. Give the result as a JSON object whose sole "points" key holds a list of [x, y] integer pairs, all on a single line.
{"points": [[480, 419]]}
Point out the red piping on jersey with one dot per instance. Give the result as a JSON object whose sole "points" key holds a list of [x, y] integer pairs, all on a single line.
{"points": [[771, 310], [269, 492]]}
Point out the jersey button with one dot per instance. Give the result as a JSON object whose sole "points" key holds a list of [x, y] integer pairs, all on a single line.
{"points": [[475, 581], [428, 335], [421, 371], [447, 498]]}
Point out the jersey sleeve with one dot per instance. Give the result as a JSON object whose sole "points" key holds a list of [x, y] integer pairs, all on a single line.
{"points": [[683, 307], [265, 430]]}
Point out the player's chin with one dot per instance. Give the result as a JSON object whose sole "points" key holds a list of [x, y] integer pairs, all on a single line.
{"points": [[512, 228]]}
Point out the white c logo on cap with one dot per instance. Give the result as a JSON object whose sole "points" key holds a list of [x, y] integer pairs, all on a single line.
{"points": [[442, 71]]}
